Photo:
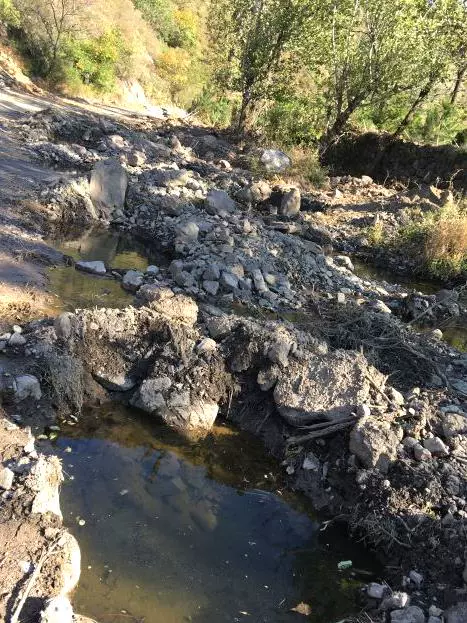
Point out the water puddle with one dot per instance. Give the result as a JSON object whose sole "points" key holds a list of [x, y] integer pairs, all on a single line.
{"points": [[177, 531], [454, 330], [75, 289]]}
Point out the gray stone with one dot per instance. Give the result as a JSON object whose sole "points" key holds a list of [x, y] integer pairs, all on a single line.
{"points": [[17, 340], [108, 186], [311, 462], [457, 613], [119, 382], [64, 325], [411, 614], [132, 280], [150, 396], [374, 442], [27, 386], [278, 351], [275, 160], [375, 591], [229, 281], [397, 397], [212, 273], [454, 424], [6, 478], [206, 345], [421, 453], [344, 260], [395, 601], [197, 417], [380, 307], [291, 202], [436, 446], [260, 191], [267, 378], [258, 280], [187, 231], [416, 578], [211, 287], [460, 386], [152, 270], [433, 619], [219, 203], [95, 267], [136, 158]]}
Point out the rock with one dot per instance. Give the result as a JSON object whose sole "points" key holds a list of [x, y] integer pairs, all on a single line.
{"points": [[421, 453], [45, 478], [363, 410], [366, 180], [229, 281], [340, 298], [187, 231], [290, 204], [324, 386], [436, 446], [275, 160], [27, 386], [395, 601], [434, 611], [219, 203], [152, 270], [211, 287], [258, 280], [416, 578], [198, 416], [374, 442], [96, 267], [132, 280], [136, 159], [260, 191], [57, 610], [376, 591], [164, 301], [17, 340], [397, 397], [457, 613], [64, 325], [454, 424], [460, 387], [108, 186], [206, 345], [119, 382], [380, 307], [278, 351], [344, 260], [411, 614], [6, 478], [311, 462], [437, 334], [150, 397], [433, 619]]}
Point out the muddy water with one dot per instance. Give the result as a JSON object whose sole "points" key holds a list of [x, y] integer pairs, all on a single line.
{"points": [[177, 531], [454, 331], [74, 289]]}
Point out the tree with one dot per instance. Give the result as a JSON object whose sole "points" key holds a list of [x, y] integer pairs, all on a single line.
{"points": [[252, 42], [47, 25]]}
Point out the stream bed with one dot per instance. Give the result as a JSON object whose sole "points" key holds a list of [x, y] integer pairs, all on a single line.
{"points": [[172, 531]]}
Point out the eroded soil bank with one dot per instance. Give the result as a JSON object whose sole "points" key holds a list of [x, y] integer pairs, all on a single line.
{"points": [[243, 310]]}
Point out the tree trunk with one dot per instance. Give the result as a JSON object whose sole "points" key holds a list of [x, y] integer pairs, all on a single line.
{"points": [[421, 97], [339, 124], [457, 85], [246, 100]]}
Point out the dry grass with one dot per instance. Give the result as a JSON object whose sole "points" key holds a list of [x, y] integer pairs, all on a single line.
{"points": [[306, 168], [446, 241], [23, 304]]}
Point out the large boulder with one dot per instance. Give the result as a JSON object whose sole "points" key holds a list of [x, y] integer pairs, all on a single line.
{"points": [[275, 160], [173, 306], [324, 387], [108, 186], [374, 442], [457, 613]]}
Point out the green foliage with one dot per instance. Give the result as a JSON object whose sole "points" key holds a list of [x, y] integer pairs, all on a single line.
{"points": [[177, 27], [95, 61], [8, 13], [291, 121], [213, 107]]}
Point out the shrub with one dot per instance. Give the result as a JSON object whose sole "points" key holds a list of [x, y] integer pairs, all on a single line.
{"points": [[213, 108], [306, 167], [446, 241]]}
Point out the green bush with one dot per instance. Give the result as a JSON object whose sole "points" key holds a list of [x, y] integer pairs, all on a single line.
{"points": [[213, 108], [292, 121], [95, 62]]}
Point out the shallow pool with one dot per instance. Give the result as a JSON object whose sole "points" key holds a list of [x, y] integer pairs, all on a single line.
{"points": [[177, 531]]}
